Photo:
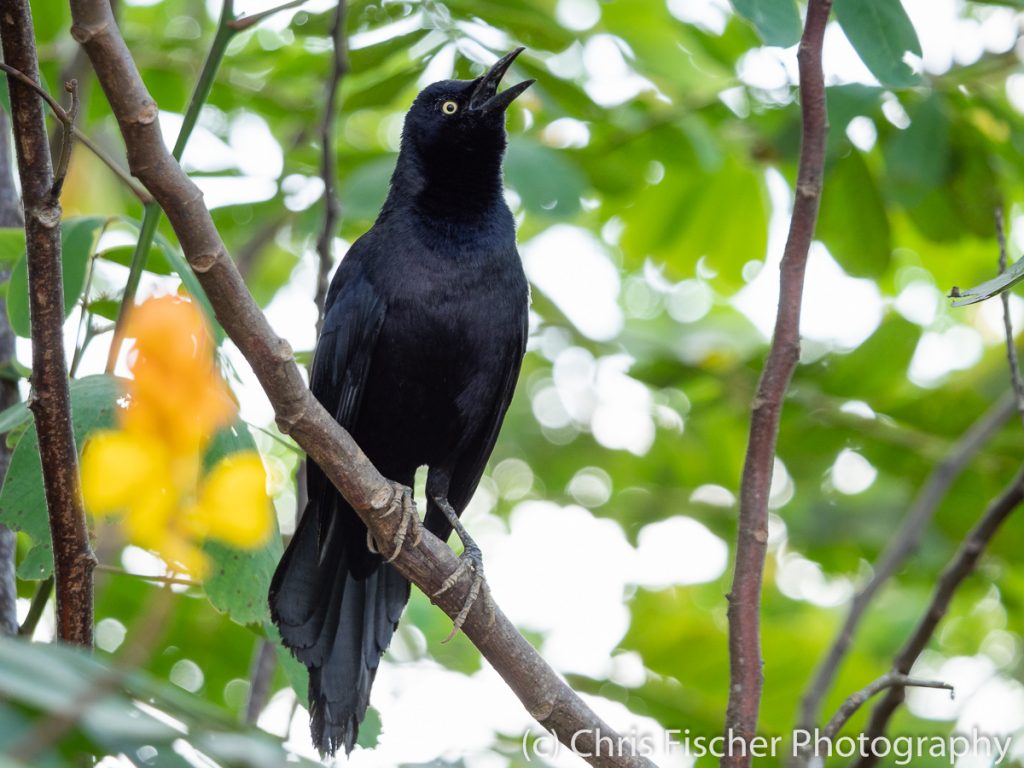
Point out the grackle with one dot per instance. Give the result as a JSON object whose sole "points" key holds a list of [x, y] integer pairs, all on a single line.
{"points": [[424, 331]]}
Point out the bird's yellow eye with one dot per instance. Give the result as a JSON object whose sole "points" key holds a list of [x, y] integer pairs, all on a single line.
{"points": [[450, 107]]}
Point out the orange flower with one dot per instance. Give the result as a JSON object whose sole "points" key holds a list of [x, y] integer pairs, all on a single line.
{"points": [[150, 468]]}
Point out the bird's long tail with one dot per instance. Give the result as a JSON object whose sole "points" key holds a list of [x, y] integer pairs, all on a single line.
{"points": [[337, 617]]}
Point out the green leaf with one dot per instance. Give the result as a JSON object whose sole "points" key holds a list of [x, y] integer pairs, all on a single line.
{"points": [[156, 263], [776, 21], [12, 245], [547, 181], [14, 417], [1004, 282], [858, 236], [78, 238], [917, 159], [22, 501], [239, 579], [882, 34]]}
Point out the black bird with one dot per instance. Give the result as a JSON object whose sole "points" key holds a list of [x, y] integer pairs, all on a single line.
{"points": [[423, 336]]}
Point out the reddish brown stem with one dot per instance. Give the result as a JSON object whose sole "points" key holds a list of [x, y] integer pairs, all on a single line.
{"points": [[745, 679], [49, 401]]}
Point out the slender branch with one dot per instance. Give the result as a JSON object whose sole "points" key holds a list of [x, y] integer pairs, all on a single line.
{"points": [[329, 162], [745, 680], [10, 216], [65, 116], [261, 674], [137, 189], [181, 580], [151, 212], [35, 610], [857, 700], [426, 564], [962, 565], [50, 401], [903, 544], [244, 22], [1011, 347]]}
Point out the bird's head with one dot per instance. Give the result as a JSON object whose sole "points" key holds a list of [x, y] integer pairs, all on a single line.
{"points": [[454, 121]]}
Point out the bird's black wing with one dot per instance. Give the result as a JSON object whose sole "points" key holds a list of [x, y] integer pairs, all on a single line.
{"points": [[352, 321]]}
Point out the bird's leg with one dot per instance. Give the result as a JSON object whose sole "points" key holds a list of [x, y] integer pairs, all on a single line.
{"points": [[402, 500], [471, 561]]}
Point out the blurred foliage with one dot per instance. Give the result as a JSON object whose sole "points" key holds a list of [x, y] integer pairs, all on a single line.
{"points": [[665, 134]]}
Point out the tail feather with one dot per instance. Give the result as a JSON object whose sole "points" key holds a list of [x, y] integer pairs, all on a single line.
{"points": [[335, 622]]}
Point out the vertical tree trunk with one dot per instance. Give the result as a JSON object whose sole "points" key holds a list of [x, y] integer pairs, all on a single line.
{"points": [[50, 400]]}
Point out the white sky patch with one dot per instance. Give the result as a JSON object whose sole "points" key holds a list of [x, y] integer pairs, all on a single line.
{"points": [[572, 268], [610, 79], [852, 473], [803, 579], [678, 550], [939, 354], [578, 15], [713, 495], [862, 132], [709, 15], [919, 302]]}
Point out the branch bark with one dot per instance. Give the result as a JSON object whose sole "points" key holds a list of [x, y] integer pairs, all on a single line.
{"points": [[857, 700], [545, 695], [746, 679], [903, 545], [50, 402], [962, 565]]}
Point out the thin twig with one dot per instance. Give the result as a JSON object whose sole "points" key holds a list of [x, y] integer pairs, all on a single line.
{"points": [[261, 674], [244, 22], [544, 694], [50, 401], [140, 192], [67, 139], [36, 608], [329, 162], [146, 577], [857, 700], [746, 679], [58, 111], [962, 565], [903, 544], [1011, 347]]}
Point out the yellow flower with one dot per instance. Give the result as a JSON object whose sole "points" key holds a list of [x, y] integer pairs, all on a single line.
{"points": [[150, 469]]}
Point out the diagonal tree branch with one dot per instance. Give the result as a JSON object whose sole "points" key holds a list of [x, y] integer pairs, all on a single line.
{"points": [[962, 565], [50, 401], [746, 679], [902, 545], [857, 700], [545, 695]]}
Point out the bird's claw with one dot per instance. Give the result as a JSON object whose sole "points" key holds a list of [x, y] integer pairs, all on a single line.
{"points": [[470, 561], [401, 499]]}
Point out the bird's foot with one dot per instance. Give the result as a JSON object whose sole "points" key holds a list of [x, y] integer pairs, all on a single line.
{"points": [[401, 500], [471, 561]]}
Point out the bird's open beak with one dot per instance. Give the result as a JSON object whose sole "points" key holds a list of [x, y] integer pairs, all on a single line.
{"points": [[486, 98]]}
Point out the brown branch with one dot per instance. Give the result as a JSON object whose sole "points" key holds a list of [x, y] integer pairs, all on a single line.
{"points": [[962, 565], [857, 700], [1011, 347], [903, 544], [545, 695], [49, 401], [329, 162], [746, 679]]}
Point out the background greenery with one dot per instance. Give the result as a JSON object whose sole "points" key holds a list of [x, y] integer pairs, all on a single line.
{"points": [[678, 183]]}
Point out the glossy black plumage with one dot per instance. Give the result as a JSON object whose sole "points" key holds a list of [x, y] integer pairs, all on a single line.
{"points": [[424, 333]]}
